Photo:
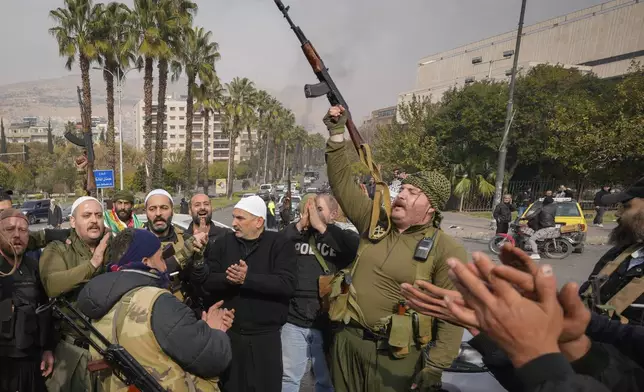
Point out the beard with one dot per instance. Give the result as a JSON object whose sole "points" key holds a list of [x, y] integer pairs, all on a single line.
{"points": [[629, 230], [160, 229], [124, 215], [196, 218]]}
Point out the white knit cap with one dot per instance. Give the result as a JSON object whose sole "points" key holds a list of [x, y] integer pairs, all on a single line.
{"points": [[254, 205], [82, 200], [159, 192]]}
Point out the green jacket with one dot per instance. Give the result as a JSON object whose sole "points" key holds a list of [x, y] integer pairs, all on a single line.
{"points": [[384, 265], [64, 269]]}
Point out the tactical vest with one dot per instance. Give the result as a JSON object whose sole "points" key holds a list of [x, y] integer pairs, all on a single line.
{"points": [[399, 331], [128, 323], [623, 298]]}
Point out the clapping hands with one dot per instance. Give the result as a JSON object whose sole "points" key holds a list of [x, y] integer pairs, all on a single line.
{"points": [[236, 273]]}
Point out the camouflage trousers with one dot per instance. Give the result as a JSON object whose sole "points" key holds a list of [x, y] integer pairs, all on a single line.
{"points": [[70, 370]]}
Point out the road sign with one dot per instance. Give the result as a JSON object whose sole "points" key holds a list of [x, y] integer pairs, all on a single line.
{"points": [[104, 178], [220, 186]]}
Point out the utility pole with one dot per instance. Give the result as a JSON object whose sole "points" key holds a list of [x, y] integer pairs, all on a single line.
{"points": [[503, 150]]}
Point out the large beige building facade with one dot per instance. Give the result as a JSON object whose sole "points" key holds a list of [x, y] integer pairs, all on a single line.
{"points": [[175, 135], [604, 39]]}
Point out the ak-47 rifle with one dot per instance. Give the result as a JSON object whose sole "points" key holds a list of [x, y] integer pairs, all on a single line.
{"points": [[121, 362], [326, 86], [87, 144]]}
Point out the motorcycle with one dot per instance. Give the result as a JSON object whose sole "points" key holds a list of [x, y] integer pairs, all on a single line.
{"points": [[558, 247]]}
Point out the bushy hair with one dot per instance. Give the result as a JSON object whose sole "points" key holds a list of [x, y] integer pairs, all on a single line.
{"points": [[120, 244]]}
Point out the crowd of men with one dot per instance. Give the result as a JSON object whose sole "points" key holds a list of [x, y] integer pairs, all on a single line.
{"points": [[245, 309]]}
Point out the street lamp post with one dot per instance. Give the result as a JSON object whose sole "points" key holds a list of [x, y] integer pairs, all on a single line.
{"points": [[119, 90], [503, 150]]}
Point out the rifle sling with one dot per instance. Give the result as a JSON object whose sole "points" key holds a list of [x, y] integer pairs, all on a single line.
{"points": [[318, 256], [612, 265], [381, 195]]}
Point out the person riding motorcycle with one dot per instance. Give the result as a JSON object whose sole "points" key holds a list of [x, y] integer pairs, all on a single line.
{"points": [[542, 221]]}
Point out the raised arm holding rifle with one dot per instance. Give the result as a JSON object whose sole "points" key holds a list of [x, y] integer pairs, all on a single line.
{"points": [[380, 344]]}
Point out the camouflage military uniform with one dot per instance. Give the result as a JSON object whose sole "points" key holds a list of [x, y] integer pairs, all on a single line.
{"points": [[128, 323]]}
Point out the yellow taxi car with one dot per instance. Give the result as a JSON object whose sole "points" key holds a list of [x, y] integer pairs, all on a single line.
{"points": [[570, 214]]}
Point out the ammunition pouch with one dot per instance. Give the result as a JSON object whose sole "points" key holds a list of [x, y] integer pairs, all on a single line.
{"points": [[407, 330], [26, 327], [7, 321], [337, 294]]}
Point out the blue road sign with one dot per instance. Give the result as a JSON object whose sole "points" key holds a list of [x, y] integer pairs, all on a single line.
{"points": [[104, 178]]}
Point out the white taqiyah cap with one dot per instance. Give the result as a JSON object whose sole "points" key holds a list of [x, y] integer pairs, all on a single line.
{"points": [[82, 200], [159, 192], [254, 205]]}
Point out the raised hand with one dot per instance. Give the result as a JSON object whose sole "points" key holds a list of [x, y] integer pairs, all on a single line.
{"points": [[237, 273]]}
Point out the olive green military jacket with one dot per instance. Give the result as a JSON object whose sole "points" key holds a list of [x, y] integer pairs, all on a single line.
{"points": [[384, 265], [65, 268]]}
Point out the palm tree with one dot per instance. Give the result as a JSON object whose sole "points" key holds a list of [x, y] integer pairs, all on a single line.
{"points": [[173, 18], [196, 56], [263, 107], [116, 56], [145, 40], [284, 124], [76, 31], [237, 109], [210, 96]]}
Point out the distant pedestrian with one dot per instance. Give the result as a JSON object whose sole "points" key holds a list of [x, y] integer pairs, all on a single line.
{"points": [[184, 207], [600, 207], [503, 214], [55, 215]]}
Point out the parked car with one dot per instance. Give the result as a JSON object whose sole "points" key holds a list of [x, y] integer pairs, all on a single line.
{"points": [[35, 210], [245, 195], [311, 190]]}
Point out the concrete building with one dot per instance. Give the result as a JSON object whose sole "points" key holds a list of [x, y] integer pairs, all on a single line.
{"points": [[379, 117], [604, 39], [175, 137], [25, 132]]}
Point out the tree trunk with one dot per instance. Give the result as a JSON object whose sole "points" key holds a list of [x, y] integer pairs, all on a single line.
{"points": [[161, 114], [147, 122], [190, 111], [284, 166], [110, 142], [266, 158], [50, 138], [276, 161], [231, 166], [250, 146], [87, 121], [206, 141]]}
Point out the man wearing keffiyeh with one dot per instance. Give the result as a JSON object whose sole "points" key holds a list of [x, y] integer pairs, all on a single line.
{"points": [[121, 215]]}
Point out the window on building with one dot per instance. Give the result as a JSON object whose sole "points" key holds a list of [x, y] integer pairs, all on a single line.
{"points": [[172, 117], [173, 145], [181, 145], [181, 118], [172, 108], [182, 127], [182, 136], [172, 126], [173, 136], [181, 109], [197, 144]]}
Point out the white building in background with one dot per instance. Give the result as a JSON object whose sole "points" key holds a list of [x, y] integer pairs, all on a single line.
{"points": [[604, 39], [25, 132], [175, 135]]}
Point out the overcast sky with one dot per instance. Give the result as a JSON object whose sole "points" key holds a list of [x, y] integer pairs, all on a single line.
{"points": [[371, 46]]}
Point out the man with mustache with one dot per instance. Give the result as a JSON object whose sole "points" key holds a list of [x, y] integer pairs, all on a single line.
{"points": [[254, 272], [65, 267], [122, 216], [179, 248], [26, 339], [380, 346], [37, 239], [620, 272]]}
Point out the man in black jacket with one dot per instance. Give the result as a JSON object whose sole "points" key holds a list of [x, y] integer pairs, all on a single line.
{"points": [[321, 248], [600, 207], [503, 214], [254, 272], [26, 342], [542, 221]]}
